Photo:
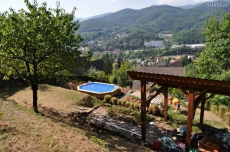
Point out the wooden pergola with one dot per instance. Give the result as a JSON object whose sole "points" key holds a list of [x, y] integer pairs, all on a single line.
{"points": [[195, 89]]}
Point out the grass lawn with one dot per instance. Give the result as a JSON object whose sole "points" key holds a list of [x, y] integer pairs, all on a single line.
{"points": [[28, 131]]}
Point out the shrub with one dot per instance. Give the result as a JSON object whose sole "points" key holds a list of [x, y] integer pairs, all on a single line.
{"points": [[111, 79], [227, 117], [96, 101], [162, 111], [214, 109], [123, 102], [222, 111], [118, 102], [92, 72], [127, 104], [113, 100], [86, 102], [208, 104], [137, 105], [131, 105], [151, 108], [140, 106], [107, 98], [154, 109], [101, 76]]}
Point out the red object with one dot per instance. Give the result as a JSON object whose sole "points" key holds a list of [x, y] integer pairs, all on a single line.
{"points": [[157, 144]]}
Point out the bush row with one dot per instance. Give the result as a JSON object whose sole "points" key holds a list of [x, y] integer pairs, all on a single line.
{"points": [[220, 110], [153, 108]]}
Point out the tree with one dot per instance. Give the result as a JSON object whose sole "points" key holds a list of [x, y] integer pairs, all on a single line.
{"points": [[108, 67], [122, 76], [39, 43], [214, 61]]}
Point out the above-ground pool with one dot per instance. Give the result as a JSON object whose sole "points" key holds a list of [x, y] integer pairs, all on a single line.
{"points": [[98, 89]]}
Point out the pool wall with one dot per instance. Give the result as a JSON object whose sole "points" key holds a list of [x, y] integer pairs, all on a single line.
{"points": [[97, 94]]}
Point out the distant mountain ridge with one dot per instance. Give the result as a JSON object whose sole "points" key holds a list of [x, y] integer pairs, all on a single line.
{"points": [[92, 17], [192, 5], [157, 18]]}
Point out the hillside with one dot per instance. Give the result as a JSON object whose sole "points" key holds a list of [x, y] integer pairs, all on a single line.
{"points": [[160, 18], [52, 129], [151, 20]]}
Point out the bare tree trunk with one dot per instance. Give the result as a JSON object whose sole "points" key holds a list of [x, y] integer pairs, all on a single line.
{"points": [[34, 85], [35, 96]]}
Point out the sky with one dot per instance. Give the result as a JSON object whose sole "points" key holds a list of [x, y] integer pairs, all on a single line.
{"points": [[88, 8]]}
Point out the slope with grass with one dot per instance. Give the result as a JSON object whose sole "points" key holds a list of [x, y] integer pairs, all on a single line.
{"points": [[63, 100], [27, 131], [53, 131]]}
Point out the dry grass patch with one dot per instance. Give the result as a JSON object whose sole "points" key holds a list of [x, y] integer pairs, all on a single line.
{"points": [[28, 131], [61, 99]]}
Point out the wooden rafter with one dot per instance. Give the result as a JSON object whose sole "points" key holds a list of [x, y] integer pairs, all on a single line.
{"points": [[197, 101], [202, 92], [204, 86], [210, 96], [153, 95], [213, 86], [183, 91], [143, 110], [151, 87]]}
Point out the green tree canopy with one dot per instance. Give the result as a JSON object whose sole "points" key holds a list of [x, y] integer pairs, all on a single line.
{"points": [[39, 43], [122, 76], [108, 67], [214, 61]]}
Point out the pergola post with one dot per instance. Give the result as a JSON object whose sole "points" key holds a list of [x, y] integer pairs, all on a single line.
{"points": [[189, 118], [165, 92], [143, 110], [203, 100]]}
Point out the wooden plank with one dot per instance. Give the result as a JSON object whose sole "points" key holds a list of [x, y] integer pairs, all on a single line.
{"points": [[183, 91], [157, 92], [151, 87], [202, 92], [189, 119], [202, 112], [211, 85], [197, 101], [210, 96], [143, 110], [165, 92]]}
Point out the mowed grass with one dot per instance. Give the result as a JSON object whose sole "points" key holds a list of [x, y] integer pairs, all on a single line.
{"points": [[60, 99], [28, 131]]}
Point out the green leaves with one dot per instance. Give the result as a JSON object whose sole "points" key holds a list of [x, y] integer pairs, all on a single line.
{"points": [[214, 61]]}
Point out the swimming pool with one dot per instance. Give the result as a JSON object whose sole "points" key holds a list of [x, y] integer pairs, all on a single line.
{"points": [[98, 89]]}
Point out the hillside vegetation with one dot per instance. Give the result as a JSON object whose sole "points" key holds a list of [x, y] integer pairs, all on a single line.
{"points": [[121, 29], [162, 18]]}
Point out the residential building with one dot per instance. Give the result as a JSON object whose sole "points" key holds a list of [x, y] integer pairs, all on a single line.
{"points": [[160, 61], [155, 44]]}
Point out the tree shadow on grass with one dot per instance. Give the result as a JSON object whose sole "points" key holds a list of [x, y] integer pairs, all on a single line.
{"points": [[9, 91], [43, 87], [207, 127], [113, 142], [184, 112]]}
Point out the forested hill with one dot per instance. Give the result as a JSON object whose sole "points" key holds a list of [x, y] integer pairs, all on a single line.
{"points": [[157, 18]]}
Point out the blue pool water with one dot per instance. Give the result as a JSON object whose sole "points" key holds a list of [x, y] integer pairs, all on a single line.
{"points": [[97, 87]]}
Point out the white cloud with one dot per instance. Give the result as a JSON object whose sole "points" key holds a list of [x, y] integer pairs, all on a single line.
{"points": [[113, 0]]}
